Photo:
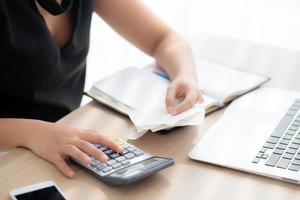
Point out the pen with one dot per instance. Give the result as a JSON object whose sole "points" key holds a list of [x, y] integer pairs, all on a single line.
{"points": [[162, 74]]}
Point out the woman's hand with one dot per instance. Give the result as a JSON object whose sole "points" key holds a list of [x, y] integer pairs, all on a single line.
{"points": [[185, 89], [56, 143]]}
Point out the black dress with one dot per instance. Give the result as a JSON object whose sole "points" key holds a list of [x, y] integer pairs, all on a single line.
{"points": [[38, 79]]}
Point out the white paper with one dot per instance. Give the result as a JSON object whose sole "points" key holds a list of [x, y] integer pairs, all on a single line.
{"points": [[157, 119], [135, 88]]}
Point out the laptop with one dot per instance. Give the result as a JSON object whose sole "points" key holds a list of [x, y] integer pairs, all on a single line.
{"points": [[258, 133]]}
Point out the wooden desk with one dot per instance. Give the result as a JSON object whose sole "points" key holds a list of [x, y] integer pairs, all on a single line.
{"points": [[187, 179]]}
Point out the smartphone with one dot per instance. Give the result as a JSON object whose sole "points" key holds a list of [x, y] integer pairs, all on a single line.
{"points": [[41, 191]]}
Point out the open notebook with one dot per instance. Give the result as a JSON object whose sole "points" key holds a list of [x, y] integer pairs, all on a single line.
{"points": [[136, 88]]}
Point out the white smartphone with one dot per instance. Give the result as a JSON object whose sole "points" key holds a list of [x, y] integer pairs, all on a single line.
{"points": [[41, 191]]}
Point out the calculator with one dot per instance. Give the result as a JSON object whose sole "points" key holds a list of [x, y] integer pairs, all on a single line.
{"points": [[129, 166]]}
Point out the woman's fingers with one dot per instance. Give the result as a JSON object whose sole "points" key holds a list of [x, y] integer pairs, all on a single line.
{"points": [[91, 150], [95, 138], [61, 164], [75, 153], [188, 102], [170, 98]]}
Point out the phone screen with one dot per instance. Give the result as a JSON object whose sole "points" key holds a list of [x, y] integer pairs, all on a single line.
{"points": [[48, 193]]}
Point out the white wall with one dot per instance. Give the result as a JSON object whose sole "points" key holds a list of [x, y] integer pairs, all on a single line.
{"points": [[271, 22]]}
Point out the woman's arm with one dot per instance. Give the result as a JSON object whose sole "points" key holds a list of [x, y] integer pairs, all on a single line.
{"points": [[134, 21], [54, 142]]}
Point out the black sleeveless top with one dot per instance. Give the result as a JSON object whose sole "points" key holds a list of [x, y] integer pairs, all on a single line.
{"points": [[39, 80]]}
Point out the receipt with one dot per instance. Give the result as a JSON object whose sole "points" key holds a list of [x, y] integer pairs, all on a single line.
{"points": [[157, 119]]}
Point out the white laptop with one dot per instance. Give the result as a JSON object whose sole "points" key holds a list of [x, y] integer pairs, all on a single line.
{"points": [[258, 133]]}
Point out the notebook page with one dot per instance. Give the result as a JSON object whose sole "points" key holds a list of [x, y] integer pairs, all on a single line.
{"points": [[138, 89], [222, 82], [134, 87]]}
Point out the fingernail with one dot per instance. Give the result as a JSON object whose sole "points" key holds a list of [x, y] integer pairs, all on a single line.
{"points": [[88, 160], [71, 174], [120, 149], [105, 157]]}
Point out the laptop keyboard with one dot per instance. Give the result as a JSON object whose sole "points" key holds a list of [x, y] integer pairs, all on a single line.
{"points": [[281, 149]]}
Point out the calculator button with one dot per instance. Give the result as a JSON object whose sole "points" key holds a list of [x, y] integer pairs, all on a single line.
{"points": [[129, 155], [131, 149], [101, 166], [107, 169], [138, 152], [103, 148], [114, 155], [94, 163], [125, 162], [117, 165], [121, 158], [108, 151], [111, 162], [97, 145], [125, 151]]}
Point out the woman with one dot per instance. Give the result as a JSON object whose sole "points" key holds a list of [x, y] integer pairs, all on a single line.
{"points": [[43, 49]]}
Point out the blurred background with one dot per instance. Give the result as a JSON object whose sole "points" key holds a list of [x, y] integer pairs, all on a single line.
{"points": [[271, 23]]}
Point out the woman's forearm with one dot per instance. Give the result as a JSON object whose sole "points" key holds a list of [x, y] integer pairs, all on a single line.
{"points": [[12, 133], [174, 55]]}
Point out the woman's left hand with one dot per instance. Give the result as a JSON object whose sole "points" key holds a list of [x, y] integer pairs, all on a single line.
{"points": [[186, 90]]}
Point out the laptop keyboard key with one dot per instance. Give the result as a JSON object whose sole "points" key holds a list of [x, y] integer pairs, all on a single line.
{"points": [[269, 145], [288, 156], [293, 128], [273, 140], [297, 136], [265, 156], [255, 160], [294, 146], [291, 132], [296, 162], [297, 157], [278, 151], [263, 150], [294, 167], [281, 146], [284, 141], [291, 151], [296, 141], [272, 161], [283, 163], [259, 155], [287, 137]]}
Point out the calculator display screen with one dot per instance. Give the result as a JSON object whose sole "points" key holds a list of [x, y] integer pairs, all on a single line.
{"points": [[48, 193]]}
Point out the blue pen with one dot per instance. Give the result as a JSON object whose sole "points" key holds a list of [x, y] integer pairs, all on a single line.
{"points": [[162, 74]]}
